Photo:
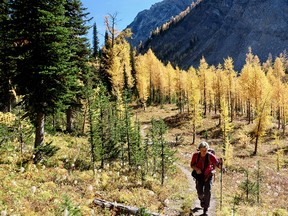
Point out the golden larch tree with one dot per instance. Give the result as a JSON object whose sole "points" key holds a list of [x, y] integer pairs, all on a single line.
{"points": [[152, 67], [121, 64], [194, 101], [179, 89], [205, 82], [142, 79], [220, 85], [171, 81], [277, 77], [226, 127], [232, 83], [261, 101]]}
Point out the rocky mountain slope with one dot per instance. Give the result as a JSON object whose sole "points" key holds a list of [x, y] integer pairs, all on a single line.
{"points": [[158, 14], [217, 29]]}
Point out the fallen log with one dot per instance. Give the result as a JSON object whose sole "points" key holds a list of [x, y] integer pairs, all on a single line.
{"points": [[122, 208]]}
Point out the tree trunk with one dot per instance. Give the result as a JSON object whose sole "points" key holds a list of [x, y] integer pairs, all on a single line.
{"points": [[84, 119], [283, 122], [249, 112], [279, 117], [39, 138], [91, 133], [194, 126], [231, 108], [69, 120], [194, 133], [256, 143], [205, 102]]}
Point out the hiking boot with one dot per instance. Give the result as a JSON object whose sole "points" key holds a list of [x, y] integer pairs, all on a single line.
{"points": [[202, 204]]}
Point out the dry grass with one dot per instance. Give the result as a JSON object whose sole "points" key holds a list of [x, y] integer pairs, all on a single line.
{"points": [[273, 185], [41, 190]]}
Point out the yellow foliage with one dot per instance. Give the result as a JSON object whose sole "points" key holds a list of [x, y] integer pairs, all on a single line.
{"points": [[280, 161], [7, 119], [45, 195], [226, 125], [49, 185], [244, 139], [280, 212], [104, 180], [142, 79], [120, 65], [206, 75], [125, 196], [228, 154], [171, 81], [84, 176]]}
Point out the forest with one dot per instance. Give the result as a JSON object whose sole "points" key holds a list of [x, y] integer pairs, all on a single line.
{"points": [[79, 123]]}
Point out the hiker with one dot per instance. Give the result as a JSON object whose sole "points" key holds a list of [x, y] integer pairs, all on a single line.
{"points": [[203, 163]]}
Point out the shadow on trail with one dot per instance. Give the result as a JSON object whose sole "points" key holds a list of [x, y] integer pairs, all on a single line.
{"points": [[195, 211]]}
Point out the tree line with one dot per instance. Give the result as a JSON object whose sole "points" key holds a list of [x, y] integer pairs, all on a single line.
{"points": [[257, 91]]}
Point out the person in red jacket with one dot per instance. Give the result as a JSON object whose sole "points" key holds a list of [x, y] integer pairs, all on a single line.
{"points": [[203, 162]]}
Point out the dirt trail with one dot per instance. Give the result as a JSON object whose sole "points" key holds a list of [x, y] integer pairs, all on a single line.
{"points": [[196, 209]]}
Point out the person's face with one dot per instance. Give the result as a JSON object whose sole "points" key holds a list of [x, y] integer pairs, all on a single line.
{"points": [[203, 151]]}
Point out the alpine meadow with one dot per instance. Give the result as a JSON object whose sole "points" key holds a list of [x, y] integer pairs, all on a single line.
{"points": [[90, 130]]}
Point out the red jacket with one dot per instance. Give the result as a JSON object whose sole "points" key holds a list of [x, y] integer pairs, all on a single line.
{"points": [[212, 161]]}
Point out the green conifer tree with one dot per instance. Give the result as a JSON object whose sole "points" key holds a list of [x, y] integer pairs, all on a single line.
{"points": [[132, 139], [104, 126], [7, 63], [162, 155], [138, 152], [78, 43], [95, 53], [106, 62], [43, 74]]}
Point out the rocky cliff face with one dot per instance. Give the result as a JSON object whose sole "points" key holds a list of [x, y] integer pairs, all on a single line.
{"points": [[217, 29], [158, 14]]}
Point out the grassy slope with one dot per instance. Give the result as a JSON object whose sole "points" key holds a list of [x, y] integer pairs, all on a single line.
{"points": [[273, 184], [48, 190]]}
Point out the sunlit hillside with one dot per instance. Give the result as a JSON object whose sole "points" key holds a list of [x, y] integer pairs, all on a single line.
{"points": [[65, 183]]}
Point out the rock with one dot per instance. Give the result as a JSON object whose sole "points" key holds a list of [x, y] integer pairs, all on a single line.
{"points": [[158, 14], [221, 28]]}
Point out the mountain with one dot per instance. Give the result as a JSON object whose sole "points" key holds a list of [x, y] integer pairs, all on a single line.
{"points": [[157, 15], [217, 29]]}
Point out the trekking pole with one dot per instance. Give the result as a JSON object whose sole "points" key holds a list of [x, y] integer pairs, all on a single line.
{"points": [[221, 173]]}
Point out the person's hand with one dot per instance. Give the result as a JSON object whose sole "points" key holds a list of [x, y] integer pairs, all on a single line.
{"points": [[221, 161], [198, 171]]}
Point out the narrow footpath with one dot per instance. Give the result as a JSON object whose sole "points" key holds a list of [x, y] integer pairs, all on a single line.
{"points": [[196, 210]]}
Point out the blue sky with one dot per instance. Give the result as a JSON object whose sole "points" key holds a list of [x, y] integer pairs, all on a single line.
{"points": [[126, 12]]}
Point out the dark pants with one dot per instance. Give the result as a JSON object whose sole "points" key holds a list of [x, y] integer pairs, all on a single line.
{"points": [[204, 192]]}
